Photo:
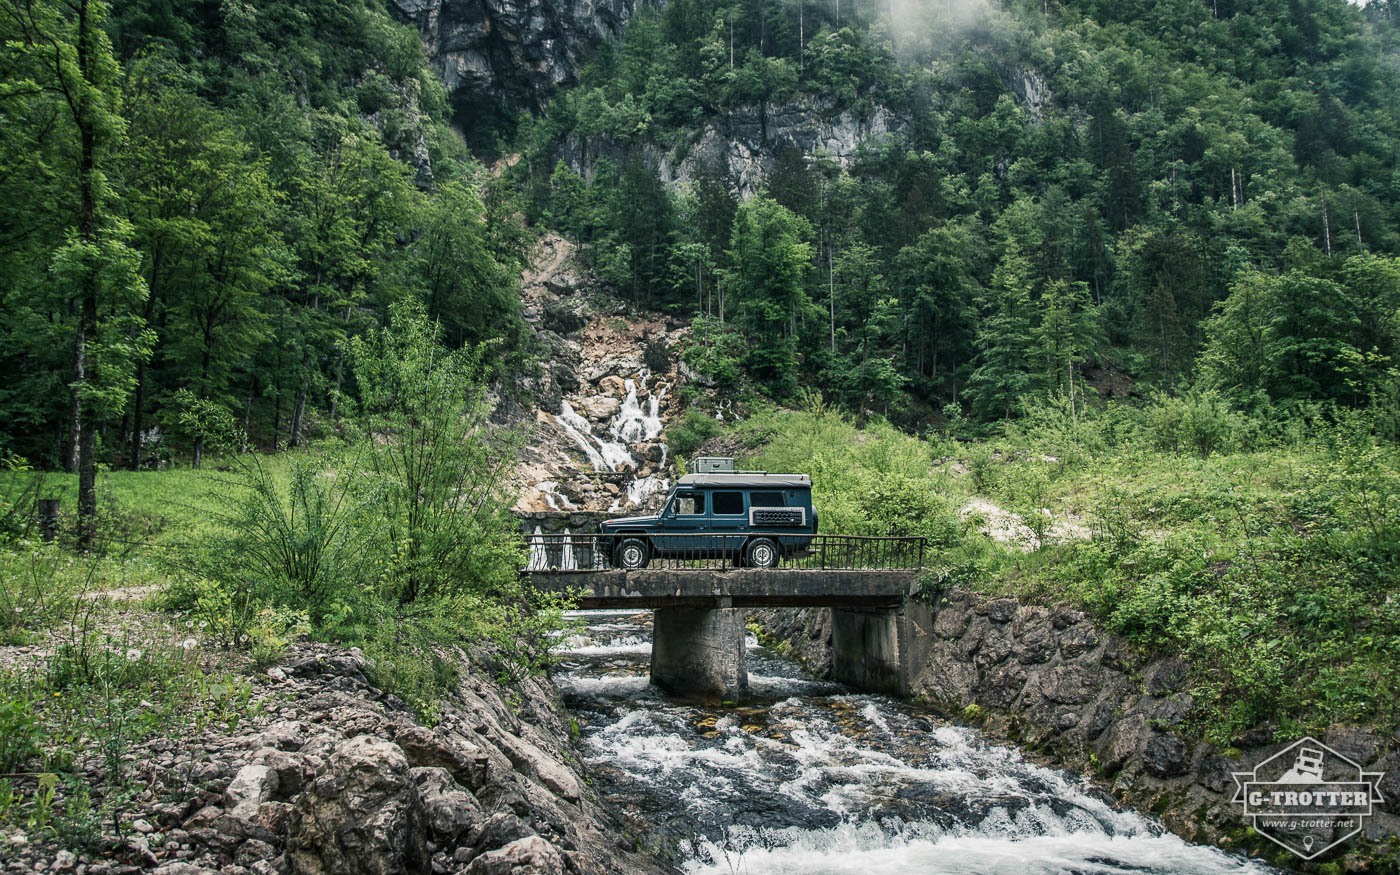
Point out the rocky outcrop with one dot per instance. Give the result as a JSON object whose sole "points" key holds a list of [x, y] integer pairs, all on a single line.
{"points": [[508, 52], [602, 397], [747, 141], [339, 777], [1046, 678]]}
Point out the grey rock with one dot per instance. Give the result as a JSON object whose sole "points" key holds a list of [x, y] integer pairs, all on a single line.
{"points": [[946, 679], [251, 787], [252, 851], [1356, 743], [1037, 645], [563, 318], [1069, 684], [1172, 710], [509, 52], [450, 810], [463, 760], [1165, 755], [950, 623], [287, 735], [1078, 640], [1002, 610], [996, 647], [1214, 774], [1000, 688], [1125, 739], [1166, 677], [531, 855], [498, 830], [1063, 617], [362, 816]]}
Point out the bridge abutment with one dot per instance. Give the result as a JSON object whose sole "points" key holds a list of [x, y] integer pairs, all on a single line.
{"points": [[699, 651], [880, 649]]}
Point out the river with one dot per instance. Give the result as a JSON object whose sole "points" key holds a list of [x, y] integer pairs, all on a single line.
{"points": [[808, 777]]}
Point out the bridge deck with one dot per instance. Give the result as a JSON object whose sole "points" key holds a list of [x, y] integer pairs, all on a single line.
{"points": [[736, 588]]}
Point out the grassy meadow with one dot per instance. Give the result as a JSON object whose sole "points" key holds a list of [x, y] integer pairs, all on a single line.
{"points": [[1266, 552]]}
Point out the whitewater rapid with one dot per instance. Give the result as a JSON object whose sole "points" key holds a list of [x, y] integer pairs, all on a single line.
{"points": [[809, 777]]}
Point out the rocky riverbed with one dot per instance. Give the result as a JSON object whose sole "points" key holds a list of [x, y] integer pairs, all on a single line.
{"points": [[337, 777], [1047, 679]]}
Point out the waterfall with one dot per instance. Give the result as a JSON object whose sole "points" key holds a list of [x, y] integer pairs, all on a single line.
{"points": [[577, 426]]}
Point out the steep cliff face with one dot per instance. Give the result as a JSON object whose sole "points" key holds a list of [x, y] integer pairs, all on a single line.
{"points": [[506, 53], [747, 141]]}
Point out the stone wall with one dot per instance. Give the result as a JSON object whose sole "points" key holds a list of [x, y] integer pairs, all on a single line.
{"points": [[1047, 679]]}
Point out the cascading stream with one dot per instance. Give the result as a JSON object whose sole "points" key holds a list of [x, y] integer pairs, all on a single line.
{"points": [[808, 777], [614, 450]]}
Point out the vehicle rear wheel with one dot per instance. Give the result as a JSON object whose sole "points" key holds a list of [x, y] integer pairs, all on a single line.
{"points": [[633, 553], [762, 553]]}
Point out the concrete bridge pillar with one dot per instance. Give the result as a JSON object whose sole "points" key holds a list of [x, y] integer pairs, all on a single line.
{"points": [[880, 649], [699, 651]]}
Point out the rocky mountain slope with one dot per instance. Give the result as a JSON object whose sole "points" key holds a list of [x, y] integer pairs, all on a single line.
{"points": [[606, 393], [511, 53]]}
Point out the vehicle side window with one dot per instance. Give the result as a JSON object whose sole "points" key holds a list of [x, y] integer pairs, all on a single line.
{"points": [[728, 502], [767, 499], [690, 503]]}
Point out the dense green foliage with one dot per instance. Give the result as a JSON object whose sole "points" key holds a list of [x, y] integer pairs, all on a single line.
{"points": [[1066, 185], [398, 540], [263, 181], [1265, 552]]}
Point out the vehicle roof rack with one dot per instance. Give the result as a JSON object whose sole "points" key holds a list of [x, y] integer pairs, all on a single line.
{"points": [[717, 465]]}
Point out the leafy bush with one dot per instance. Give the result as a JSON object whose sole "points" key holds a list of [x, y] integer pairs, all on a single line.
{"points": [[695, 427], [19, 730], [436, 465], [1200, 422], [401, 544]]}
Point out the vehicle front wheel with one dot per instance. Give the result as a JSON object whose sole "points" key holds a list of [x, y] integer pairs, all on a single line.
{"points": [[633, 553], [762, 553]]}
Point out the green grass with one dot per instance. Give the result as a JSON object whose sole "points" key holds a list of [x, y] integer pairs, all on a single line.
{"points": [[1271, 568]]}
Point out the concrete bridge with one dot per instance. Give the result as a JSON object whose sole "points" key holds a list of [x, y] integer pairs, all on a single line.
{"points": [[881, 636]]}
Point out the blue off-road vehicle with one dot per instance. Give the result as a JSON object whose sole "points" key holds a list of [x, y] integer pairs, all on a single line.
{"points": [[753, 518]]}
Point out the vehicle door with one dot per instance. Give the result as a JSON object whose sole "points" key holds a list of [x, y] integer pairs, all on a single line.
{"points": [[729, 518], [686, 516]]}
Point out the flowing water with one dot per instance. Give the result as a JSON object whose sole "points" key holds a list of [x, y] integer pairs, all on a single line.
{"points": [[809, 777]]}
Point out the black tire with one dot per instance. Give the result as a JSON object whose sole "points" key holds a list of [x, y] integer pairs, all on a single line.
{"points": [[632, 553], [762, 553]]}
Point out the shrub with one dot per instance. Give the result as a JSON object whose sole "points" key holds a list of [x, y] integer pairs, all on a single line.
{"points": [[683, 438], [1200, 422], [436, 465]]}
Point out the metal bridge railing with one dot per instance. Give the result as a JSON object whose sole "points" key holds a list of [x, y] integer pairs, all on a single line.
{"points": [[718, 552]]}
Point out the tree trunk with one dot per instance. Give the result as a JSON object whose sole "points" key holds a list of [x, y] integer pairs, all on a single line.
{"points": [[139, 407], [198, 452], [85, 420], [298, 415]]}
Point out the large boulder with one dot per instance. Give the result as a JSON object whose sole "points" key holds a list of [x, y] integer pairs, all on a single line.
{"points": [[531, 855], [361, 816]]}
